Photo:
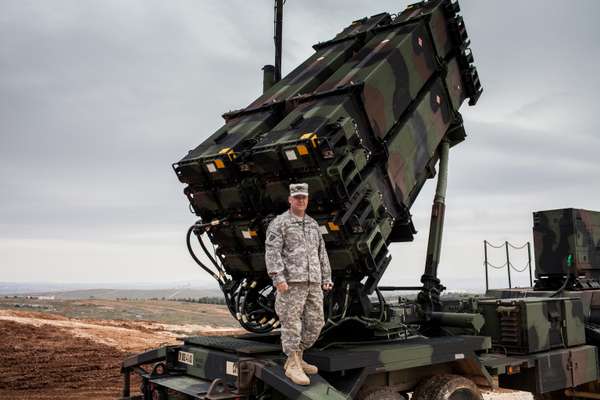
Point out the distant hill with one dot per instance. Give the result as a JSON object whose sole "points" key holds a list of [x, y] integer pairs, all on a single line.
{"points": [[113, 291], [125, 293], [148, 291], [140, 294]]}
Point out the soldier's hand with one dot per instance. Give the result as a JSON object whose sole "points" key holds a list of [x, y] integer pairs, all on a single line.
{"points": [[327, 286], [282, 287]]}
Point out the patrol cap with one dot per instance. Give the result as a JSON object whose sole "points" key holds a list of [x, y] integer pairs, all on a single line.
{"points": [[299, 189]]}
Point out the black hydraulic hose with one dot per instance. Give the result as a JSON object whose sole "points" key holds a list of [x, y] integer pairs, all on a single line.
{"points": [[381, 304], [564, 285], [241, 309], [210, 257], [230, 294], [191, 251], [346, 301], [249, 325], [236, 302], [329, 305], [242, 306], [235, 296], [264, 306], [238, 312], [330, 323]]}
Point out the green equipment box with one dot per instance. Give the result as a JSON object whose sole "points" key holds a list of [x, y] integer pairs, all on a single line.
{"points": [[567, 241], [530, 325]]}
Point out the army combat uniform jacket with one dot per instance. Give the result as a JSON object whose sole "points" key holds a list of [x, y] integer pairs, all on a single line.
{"points": [[295, 250]]}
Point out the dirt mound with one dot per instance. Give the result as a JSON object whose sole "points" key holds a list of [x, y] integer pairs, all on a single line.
{"points": [[48, 362], [125, 336], [48, 356]]}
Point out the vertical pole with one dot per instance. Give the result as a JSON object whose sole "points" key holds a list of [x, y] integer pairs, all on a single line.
{"points": [[508, 265], [430, 294], [529, 263], [438, 209], [278, 39], [268, 77], [487, 285]]}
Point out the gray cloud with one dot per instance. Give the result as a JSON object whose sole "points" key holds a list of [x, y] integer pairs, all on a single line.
{"points": [[97, 99]]}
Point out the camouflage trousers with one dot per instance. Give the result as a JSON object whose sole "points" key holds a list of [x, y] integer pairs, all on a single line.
{"points": [[300, 310]]}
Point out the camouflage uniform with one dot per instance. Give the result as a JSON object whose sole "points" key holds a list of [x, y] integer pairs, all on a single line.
{"points": [[295, 253]]}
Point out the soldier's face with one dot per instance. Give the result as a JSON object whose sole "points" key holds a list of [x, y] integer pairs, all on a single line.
{"points": [[298, 203]]}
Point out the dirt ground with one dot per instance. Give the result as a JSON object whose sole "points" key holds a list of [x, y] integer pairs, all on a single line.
{"points": [[46, 362], [46, 355], [49, 356]]}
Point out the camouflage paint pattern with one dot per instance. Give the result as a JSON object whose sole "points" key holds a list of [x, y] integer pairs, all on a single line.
{"points": [[333, 122], [201, 165], [563, 233], [436, 19], [534, 324], [295, 250], [400, 364], [361, 26], [454, 83], [211, 161], [360, 121], [554, 370], [310, 74], [392, 68], [240, 359], [413, 145], [300, 310]]}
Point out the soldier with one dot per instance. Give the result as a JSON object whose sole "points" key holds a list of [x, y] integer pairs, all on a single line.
{"points": [[298, 264]]}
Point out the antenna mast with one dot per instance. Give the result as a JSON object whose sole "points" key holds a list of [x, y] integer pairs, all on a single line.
{"points": [[277, 37]]}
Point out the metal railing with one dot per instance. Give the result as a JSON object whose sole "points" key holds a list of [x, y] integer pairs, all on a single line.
{"points": [[507, 264]]}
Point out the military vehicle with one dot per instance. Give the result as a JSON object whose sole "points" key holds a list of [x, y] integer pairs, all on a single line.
{"points": [[567, 257], [364, 121]]}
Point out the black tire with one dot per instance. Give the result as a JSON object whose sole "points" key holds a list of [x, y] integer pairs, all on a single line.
{"points": [[447, 387], [159, 395], [380, 394], [418, 392], [549, 396]]}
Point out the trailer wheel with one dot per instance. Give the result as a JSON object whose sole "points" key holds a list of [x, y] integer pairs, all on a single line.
{"points": [[549, 396], [158, 394], [380, 394], [447, 387]]}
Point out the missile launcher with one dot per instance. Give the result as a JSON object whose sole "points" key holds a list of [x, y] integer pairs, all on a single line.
{"points": [[365, 121], [361, 121]]}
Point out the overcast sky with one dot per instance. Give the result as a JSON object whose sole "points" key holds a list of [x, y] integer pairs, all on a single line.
{"points": [[98, 98]]}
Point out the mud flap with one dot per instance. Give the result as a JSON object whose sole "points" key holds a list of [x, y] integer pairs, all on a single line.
{"points": [[194, 387]]}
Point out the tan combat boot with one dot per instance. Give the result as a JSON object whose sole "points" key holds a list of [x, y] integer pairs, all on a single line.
{"points": [[306, 367], [293, 370]]}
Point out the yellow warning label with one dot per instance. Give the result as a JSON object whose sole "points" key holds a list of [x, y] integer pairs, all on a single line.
{"points": [[302, 150]]}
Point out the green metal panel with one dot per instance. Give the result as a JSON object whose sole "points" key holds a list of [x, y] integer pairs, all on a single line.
{"points": [[584, 364], [574, 326], [553, 370], [563, 233], [183, 384], [530, 325], [393, 67]]}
